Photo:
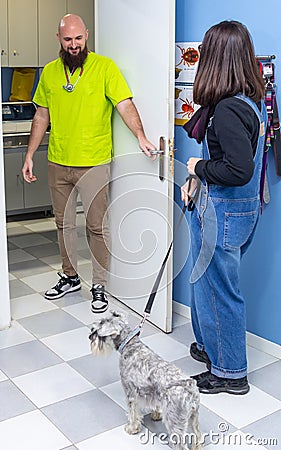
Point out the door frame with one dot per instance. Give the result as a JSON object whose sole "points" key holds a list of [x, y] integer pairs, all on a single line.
{"points": [[5, 307]]}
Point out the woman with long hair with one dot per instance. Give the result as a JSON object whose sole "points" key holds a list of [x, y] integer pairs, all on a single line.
{"points": [[231, 125]]}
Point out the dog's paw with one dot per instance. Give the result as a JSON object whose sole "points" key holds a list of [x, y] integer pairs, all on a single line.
{"points": [[132, 428], [155, 415]]}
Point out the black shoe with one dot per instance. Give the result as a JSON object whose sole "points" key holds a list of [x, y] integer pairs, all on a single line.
{"points": [[64, 286], [99, 302], [200, 376], [211, 384], [199, 355]]}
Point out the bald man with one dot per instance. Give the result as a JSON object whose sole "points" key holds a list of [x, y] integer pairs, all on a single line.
{"points": [[77, 93]]}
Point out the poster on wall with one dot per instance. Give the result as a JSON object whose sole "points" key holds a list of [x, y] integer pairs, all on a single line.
{"points": [[187, 58], [184, 105]]}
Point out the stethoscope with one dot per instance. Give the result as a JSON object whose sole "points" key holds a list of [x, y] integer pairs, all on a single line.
{"points": [[69, 87]]}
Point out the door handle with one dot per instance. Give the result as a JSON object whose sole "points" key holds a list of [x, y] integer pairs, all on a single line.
{"points": [[161, 154]]}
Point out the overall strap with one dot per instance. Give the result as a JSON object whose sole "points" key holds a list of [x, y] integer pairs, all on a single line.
{"points": [[263, 120]]}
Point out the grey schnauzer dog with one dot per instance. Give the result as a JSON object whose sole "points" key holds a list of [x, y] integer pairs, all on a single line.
{"points": [[150, 383]]}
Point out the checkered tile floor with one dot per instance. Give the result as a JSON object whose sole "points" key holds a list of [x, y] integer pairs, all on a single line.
{"points": [[55, 395]]}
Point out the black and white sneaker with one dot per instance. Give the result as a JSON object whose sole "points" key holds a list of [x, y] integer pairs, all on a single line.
{"points": [[99, 303], [64, 286]]}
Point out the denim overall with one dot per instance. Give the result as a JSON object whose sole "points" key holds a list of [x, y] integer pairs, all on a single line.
{"points": [[222, 227]]}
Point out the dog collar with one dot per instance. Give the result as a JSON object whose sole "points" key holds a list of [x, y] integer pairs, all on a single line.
{"points": [[131, 335]]}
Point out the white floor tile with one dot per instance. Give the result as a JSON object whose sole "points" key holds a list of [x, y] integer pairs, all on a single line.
{"points": [[2, 375], [10, 225], [31, 431], [118, 439], [29, 305], [12, 277], [116, 392], [80, 311], [55, 261], [14, 335], [71, 344], [240, 410], [258, 359], [52, 384], [166, 347], [15, 231], [42, 281], [42, 226], [179, 320], [234, 441]]}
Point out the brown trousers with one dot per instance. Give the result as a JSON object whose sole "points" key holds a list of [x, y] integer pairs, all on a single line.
{"points": [[92, 184]]}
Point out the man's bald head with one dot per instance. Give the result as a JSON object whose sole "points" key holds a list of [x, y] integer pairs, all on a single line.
{"points": [[71, 20]]}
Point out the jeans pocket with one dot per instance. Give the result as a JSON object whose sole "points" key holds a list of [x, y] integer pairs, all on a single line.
{"points": [[238, 227]]}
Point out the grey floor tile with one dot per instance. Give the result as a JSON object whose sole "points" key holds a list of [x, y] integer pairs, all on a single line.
{"points": [[41, 251], [98, 370], [85, 415], [28, 240], [11, 246], [19, 255], [25, 358], [189, 366], [29, 268], [211, 424], [70, 448], [83, 295], [267, 430], [13, 401], [49, 323], [183, 334], [268, 379], [85, 253], [18, 289], [51, 235]]}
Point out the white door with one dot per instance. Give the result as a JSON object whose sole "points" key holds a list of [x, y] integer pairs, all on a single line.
{"points": [[139, 37]]}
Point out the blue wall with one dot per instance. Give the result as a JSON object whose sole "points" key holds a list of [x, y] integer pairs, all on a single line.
{"points": [[261, 267]]}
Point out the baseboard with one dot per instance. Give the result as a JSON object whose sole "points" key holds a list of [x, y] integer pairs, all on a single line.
{"points": [[182, 310], [252, 339]]}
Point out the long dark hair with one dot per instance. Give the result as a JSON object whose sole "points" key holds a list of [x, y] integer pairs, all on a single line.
{"points": [[227, 65]]}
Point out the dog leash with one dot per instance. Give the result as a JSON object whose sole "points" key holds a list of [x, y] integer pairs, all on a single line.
{"points": [[138, 329]]}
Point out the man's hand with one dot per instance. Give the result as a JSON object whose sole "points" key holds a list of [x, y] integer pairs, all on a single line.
{"points": [[27, 171], [146, 146]]}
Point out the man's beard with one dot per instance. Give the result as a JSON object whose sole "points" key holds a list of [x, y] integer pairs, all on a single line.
{"points": [[73, 61]]}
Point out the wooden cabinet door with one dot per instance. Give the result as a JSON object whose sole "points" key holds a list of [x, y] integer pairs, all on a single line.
{"points": [[49, 14], [85, 9], [4, 32], [22, 32]]}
